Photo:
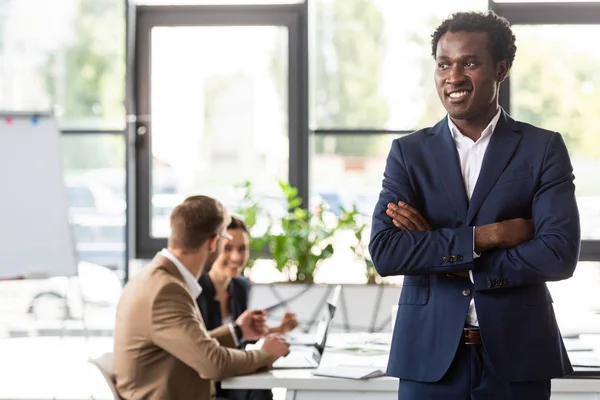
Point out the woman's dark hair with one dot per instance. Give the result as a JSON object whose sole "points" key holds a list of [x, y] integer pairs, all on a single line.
{"points": [[237, 223], [501, 38]]}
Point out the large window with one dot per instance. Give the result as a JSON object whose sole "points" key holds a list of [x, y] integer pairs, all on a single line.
{"points": [[66, 56], [221, 100], [219, 118], [555, 84], [95, 183], [371, 64], [347, 170]]}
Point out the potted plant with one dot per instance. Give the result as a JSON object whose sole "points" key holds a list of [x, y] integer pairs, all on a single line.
{"points": [[297, 241], [301, 239], [350, 219], [250, 212], [304, 239]]}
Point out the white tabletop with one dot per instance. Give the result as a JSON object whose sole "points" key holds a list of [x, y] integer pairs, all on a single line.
{"points": [[338, 354], [305, 380]]}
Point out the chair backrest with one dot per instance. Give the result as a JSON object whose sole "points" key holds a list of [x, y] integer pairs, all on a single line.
{"points": [[105, 364]]}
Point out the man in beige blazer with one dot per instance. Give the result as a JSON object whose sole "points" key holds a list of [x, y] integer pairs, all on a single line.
{"points": [[162, 349]]}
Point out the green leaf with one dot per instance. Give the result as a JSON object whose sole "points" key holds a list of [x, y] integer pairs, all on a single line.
{"points": [[293, 203]]}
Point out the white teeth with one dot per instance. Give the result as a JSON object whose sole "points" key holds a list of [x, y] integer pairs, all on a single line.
{"points": [[456, 95]]}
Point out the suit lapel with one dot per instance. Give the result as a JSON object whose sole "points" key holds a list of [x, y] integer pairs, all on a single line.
{"points": [[441, 145], [503, 143]]}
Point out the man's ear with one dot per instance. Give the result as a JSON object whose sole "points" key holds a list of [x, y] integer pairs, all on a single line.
{"points": [[212, 243], [502, 70]]}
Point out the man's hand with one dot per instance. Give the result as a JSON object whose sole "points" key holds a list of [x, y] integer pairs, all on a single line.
{"points": [[505, 234], [288, 323], [407, 218], [253, 324], [514, 232], [276, 346]]}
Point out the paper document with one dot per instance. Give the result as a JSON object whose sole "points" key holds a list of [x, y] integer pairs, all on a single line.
{"points": [[584, 360], [349, 372]]}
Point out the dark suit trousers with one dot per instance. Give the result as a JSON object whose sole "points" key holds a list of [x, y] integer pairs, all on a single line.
{"points": [[472, 377]]}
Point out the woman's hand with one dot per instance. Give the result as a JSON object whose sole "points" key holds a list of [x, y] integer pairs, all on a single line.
{"points": [[288, 322]]}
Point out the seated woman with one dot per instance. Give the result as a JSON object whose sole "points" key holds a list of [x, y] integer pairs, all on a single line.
{"points": [[225, 295]]}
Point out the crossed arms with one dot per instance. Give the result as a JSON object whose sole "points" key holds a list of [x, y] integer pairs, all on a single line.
{"points": [[403, 242]]}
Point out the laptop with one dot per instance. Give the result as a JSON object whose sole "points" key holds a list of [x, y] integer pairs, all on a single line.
{"points": [[309, 355]]}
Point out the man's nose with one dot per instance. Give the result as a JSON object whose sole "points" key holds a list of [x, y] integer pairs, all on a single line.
{"points": [[456, 75]]}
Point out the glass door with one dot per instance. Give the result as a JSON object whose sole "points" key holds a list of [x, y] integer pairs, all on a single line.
{"points": [[216, 98]]}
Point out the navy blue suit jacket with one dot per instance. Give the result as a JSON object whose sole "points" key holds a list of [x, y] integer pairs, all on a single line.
{"points": [[526, 173]]}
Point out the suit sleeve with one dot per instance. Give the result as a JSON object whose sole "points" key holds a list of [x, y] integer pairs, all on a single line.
{"points": [[553, 253], [223, 336], [398, 252], [177, 327]]}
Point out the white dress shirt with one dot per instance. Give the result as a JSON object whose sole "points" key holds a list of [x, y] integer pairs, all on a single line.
{"points": [[190, 281], [193, 285], [471, 155]]}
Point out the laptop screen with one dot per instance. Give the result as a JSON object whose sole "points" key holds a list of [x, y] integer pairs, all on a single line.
{"points": [[326, 319]]}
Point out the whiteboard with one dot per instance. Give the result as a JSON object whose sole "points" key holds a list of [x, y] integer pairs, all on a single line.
{"points": [[36, 239]]}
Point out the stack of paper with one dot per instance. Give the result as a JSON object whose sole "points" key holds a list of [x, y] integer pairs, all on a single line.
{"points": [[349, 372]]}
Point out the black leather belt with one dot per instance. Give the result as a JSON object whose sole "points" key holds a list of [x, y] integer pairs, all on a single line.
{"points": [[472, 336]]}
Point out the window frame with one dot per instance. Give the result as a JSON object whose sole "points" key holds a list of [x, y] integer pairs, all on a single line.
{"points": [[144, 18], [550, 13]]}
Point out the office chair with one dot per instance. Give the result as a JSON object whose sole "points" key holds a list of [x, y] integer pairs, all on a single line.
{"points": [[105, 364]]}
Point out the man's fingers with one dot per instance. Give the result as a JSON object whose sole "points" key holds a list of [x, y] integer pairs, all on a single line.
{"points": [[399, 225], [400, 220], [412, 214], [404, 215]]}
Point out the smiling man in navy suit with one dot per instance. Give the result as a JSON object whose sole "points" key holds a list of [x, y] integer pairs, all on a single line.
{"points": [[478, 212]]}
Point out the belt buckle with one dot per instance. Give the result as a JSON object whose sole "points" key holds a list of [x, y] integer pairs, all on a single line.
{"points": [[466, 331]]}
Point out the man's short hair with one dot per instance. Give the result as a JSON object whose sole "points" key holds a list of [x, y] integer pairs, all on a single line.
{"points": [[196, 220], [501, 38]]}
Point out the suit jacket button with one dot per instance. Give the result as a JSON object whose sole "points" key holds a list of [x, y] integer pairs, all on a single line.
{"points": [[459, 258], [466, 292], [445, 259], [489, 284], [453, 259]]}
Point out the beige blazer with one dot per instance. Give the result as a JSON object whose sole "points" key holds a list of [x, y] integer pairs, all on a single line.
{"points": [[162, 350]]}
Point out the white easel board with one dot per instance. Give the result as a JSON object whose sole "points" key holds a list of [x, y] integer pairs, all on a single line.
{"points": [[36, 239]]}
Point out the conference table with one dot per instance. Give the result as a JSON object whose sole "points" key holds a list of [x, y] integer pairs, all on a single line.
{"points": [[370, 350]]}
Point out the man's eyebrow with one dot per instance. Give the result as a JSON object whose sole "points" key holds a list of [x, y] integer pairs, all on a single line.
{"points": [[443, 57]]}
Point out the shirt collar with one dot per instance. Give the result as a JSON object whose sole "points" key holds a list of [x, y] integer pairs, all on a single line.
{"points": [[190, 281], [486, 132]]}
